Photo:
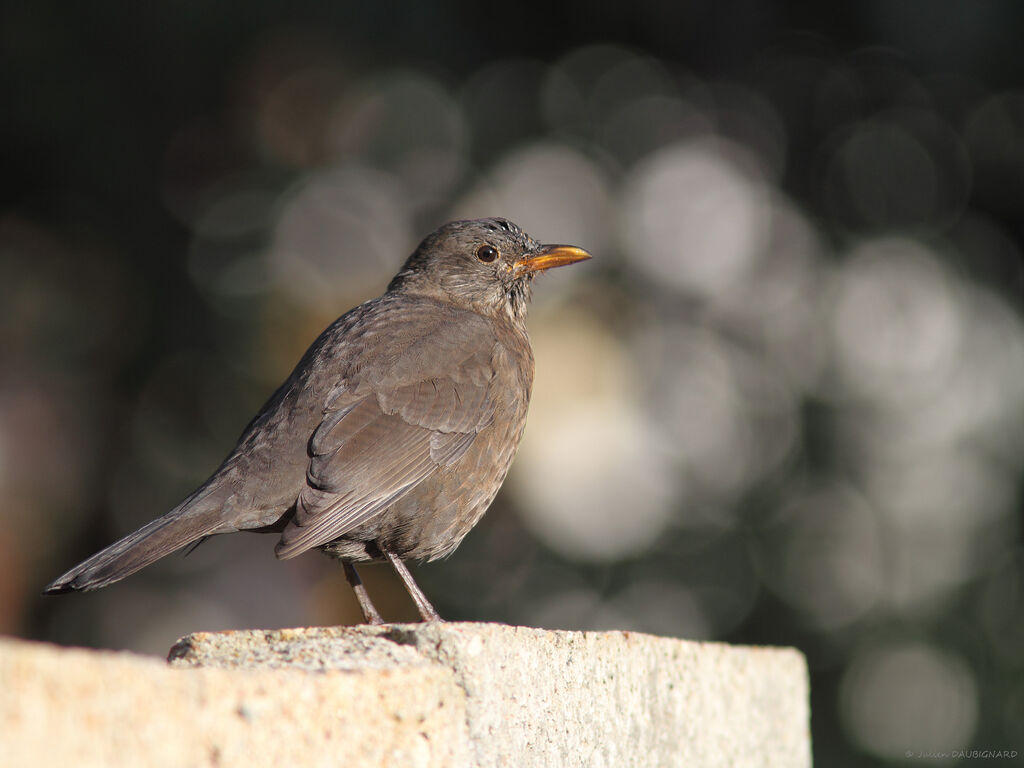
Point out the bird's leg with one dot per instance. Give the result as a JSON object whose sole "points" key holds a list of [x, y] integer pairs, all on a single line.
{"points": [[427, 611], [370, 613]]}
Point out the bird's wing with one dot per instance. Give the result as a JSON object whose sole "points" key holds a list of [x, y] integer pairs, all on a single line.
{"points": [[373, 447]]}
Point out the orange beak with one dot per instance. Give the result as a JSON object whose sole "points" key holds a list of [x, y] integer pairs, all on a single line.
{"points": [[550, 256]]}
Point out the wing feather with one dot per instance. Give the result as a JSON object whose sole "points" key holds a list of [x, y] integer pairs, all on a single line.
{"points": [[373, 448]]}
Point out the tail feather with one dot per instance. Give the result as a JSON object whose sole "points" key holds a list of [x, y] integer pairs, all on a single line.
{"points": [[175, 530]]}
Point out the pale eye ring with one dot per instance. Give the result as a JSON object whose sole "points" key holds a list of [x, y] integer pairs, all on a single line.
{"points": [[487, 253]]}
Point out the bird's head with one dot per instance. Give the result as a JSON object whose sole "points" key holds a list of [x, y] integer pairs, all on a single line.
{"points": [[487, 265]]}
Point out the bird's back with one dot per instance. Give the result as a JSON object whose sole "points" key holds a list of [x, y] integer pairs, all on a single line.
{"points": [[423, 370]]}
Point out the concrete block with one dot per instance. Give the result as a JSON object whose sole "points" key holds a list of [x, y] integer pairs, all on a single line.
{"points": [[407, 695]]}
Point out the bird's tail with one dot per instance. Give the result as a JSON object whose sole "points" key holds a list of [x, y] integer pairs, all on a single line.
{"points": [[196, 517]]}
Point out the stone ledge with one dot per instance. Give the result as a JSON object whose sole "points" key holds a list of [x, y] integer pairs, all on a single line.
{"points": [[407, 695]]}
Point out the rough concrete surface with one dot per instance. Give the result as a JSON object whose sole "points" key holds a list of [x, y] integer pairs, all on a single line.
{"points": [[407, 695]]}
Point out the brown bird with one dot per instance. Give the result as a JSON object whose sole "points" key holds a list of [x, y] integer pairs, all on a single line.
{"points": [[394, 432]]}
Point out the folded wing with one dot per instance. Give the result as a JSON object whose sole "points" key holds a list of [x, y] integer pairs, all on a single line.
{"points": [[371, 448]]}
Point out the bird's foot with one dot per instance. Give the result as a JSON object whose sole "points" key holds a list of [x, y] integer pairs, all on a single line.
{"points": [[370, 612], [427, 611]]}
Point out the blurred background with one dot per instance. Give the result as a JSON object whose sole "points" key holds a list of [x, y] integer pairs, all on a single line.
{"points": [[784, 404]]}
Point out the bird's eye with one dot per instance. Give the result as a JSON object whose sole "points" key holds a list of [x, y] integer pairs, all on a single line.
{"points": [[486, 253]]}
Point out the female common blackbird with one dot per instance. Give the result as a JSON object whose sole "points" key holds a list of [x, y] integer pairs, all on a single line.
{"points": [[394, 432]]}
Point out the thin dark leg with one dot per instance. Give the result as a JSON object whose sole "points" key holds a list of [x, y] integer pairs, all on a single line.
{"points": [[369, 611], [427, 611]]}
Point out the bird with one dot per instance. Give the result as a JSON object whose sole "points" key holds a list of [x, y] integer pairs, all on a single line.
{"points": [[394, 432]]}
